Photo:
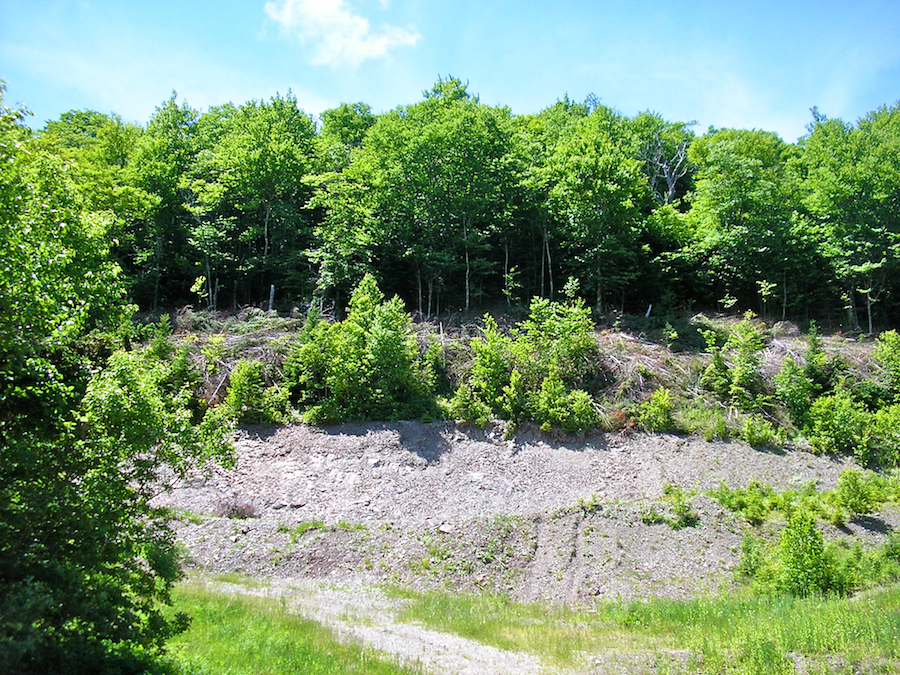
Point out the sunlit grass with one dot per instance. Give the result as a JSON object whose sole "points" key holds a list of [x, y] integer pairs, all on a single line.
{"points": [[557, 634], [241, 635], [723, 634]]}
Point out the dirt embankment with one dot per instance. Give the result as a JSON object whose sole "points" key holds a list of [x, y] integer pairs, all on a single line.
{"points": [[564, 520]]}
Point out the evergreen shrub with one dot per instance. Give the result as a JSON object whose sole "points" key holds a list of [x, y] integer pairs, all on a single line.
{"points": [[536, 373], [367, 367], [657, 412]]}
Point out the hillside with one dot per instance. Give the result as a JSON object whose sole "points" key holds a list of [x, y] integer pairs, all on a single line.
{"points": [[436, 504]]}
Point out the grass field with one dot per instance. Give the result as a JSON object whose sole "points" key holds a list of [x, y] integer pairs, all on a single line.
{"points": [[732, 635], [737, 635], [241, 635]]}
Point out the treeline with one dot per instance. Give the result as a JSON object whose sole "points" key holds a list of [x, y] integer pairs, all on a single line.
{"points": [[456, 205]]}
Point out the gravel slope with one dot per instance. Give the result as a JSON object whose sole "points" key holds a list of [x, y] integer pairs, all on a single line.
{"points": [[326, 515], [430, 504]]}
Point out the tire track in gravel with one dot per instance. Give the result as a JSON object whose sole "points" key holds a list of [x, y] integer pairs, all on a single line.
{"points": [[366, 615]]}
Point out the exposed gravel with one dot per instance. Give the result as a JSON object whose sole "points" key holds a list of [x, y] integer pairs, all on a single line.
{"points": [[438, 505], [414, 475], [364, 614]]}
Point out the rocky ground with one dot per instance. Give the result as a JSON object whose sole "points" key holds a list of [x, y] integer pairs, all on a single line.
{"points": [[564, 520]]}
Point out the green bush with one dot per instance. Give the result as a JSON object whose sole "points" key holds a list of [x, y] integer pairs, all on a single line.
{"points": [[704, 419], [514, 399], [556, 336], [368, 366], [887, 354], [555, 406], [248, 400], [535, 373], [657, 412], [821, 369], [754, 502], [884, 440], [466, 405], [680, 501], [752, 557], [738, 381], [795, 389], [716, 377], [746, 345], [759, 432], [482, 394], [839, 424], [214, 352], [492, 364], [802, 566], [892, 546], [856, 493]]}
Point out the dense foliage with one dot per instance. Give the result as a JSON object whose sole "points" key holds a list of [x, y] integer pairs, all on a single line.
{"points": [[85, 428], [535, 373], [368, 366], [451, 203], [447, 203]]}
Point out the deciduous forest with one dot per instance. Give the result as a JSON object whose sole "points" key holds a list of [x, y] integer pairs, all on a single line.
{"points": [[368, 233], [455, 205]]}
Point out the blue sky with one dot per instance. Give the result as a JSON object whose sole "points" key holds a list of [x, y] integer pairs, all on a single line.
{"points": [[760, 64]]}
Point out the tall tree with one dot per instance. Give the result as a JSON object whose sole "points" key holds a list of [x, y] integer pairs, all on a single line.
{"points": [[163, 157], [663, 148], [84, 559], [343, 131], [438, 173], [101, 151], [741, 212], [597, 194], [851, 178], [535, 142], [248, 197]]}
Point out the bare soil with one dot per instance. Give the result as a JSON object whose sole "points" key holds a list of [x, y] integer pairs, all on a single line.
{"points": [[557, 519], [326, 515]]}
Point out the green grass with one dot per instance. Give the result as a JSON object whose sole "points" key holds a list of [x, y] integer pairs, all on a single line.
{"points": [[241, 635], [300, 529], [729, 634]]}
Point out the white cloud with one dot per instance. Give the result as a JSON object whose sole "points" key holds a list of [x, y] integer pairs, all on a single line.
{"points": [[340, 37], [133, 85]]}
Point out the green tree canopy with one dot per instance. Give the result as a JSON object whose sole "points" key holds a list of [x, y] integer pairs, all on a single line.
{"points": [[84, 559]]}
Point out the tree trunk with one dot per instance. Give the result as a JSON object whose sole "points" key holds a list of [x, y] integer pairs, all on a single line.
{"points": [[784, 297], [543, 260], [419, 289], [599, 289], [851, 309], [467, 277], [468, 263], [869, 311], [549, 266], [266, 233], [210, 299], [670, 184], [506, 273]]}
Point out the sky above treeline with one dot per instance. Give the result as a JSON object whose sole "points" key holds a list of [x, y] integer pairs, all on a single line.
{"points": [[723, 63]]}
